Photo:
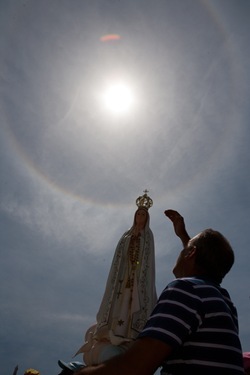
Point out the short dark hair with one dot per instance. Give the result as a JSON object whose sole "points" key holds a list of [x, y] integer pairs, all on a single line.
{"points": [[214, 255]]}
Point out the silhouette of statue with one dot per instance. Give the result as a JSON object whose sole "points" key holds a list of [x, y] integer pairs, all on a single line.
{"points": [[130, 292]]}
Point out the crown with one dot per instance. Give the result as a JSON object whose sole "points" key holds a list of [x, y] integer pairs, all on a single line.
{"points": [[144, 201]]}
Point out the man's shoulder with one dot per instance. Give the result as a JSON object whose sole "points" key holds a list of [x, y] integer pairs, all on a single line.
{"points": [[199, 286], [193, 280], [185, 284], [192, 284], [187, 281]]}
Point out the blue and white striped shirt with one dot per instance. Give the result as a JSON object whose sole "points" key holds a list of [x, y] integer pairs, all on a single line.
{"points": [[199, 321]]}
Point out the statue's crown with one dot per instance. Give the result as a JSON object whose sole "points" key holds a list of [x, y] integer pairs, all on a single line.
{"points": [[144, 201]]}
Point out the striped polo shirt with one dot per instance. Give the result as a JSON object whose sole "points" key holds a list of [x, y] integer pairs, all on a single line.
{"points": [[199, 321]]}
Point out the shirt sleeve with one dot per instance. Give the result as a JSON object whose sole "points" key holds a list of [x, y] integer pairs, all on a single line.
{"points": [[178, 313]]}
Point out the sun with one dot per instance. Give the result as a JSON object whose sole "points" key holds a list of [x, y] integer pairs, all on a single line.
{"points": [[118, 98]]}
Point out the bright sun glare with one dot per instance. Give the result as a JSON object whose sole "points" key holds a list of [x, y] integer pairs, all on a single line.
{"points": [[118, 98]]}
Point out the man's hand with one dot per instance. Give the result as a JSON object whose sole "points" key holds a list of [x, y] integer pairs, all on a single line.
{"points": [[179, 225], [143, 357]]}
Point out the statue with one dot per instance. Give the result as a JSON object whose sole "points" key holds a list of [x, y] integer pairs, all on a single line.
{"points": [[130, 292]]}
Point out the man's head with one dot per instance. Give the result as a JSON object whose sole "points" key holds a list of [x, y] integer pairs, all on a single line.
{"points": [[208, 254]]}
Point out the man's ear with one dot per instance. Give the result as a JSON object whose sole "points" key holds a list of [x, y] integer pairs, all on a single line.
{"points": [[191, 252]]}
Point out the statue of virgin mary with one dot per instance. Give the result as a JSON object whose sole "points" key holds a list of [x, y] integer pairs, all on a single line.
{"points": [[130, 293]]}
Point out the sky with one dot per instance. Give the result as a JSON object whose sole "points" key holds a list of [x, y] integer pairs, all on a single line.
{"points": [[71, 168]]}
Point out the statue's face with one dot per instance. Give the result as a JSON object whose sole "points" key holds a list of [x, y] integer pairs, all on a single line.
{"points": [[141, 217]]}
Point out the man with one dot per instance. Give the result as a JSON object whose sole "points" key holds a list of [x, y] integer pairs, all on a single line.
{"points": [[193, 328]]}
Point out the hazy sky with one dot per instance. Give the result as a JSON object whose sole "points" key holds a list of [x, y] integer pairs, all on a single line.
{"points": [[71, 169]]}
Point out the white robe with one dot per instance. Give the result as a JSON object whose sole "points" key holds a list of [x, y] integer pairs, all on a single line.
{"points": [[124, 310]]}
